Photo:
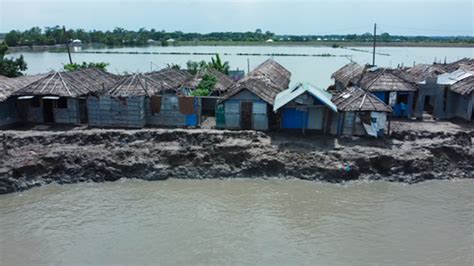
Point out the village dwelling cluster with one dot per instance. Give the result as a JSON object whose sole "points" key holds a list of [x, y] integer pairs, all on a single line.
{"points": [[362, 100]]}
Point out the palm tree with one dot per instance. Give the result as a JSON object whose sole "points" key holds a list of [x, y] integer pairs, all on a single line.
{"points": [[218, 65]]}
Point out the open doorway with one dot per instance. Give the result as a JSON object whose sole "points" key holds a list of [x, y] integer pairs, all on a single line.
{"points": [[427, 105], [48, 110], [83, 111], [246, 115]]}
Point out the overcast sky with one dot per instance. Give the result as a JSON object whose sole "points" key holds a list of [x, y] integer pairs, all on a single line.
{"points": [[416, 17]]}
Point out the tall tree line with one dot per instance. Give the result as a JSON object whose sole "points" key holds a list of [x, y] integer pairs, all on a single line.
{"points": [[120, 36]]}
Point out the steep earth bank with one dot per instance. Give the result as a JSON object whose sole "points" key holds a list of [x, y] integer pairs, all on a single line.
{"points": [[41, 157]]}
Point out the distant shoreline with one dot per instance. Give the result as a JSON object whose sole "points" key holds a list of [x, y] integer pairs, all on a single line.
{"points": [[334, 45]]}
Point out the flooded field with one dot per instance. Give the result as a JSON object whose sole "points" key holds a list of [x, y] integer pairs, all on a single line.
{"points": [[314, 69]]}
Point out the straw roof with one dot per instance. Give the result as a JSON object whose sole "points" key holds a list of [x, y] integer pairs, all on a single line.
{"points": [[464, 87], [137, 85], [76, 83], [10, 85], [355, 99], [265, 81], [170, 78], [348, 73], [223, 83], [383, 79], [465, 63], [421, 72]]}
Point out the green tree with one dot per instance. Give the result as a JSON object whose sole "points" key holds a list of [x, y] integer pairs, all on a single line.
{"points": [[206, 86], [193, 66], [10, 67], [218, 65], [76, 66]]}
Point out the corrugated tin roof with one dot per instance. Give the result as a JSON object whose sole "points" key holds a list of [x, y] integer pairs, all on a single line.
{"points": [[288, 95], [453, 77]]}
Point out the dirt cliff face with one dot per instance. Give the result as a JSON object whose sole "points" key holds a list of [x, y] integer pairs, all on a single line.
{"points": [[37, 157]]}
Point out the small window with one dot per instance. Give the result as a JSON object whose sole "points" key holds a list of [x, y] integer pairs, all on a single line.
{"points": [[62, 103], [35, 102]]}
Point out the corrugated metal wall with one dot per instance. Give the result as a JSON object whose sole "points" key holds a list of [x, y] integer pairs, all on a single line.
{"points": [[259, 115], [459, 106], [170, 115], [113, 112], [69, 115], [232, 114]]}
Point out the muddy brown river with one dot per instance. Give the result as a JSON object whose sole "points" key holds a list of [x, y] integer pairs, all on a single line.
{"points": [[250, 222]]}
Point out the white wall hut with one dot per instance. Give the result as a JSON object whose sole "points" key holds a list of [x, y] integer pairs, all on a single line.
{"points": [[249, 105], [359, 113], [60, 97]]}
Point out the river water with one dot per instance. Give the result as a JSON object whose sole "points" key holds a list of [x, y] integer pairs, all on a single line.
{"points": [[316, 70], [257, 222]]}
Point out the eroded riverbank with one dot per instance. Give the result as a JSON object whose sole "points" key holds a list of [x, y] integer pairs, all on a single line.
{"points": [[40, 157]]}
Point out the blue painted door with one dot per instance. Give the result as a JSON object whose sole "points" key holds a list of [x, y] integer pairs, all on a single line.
{"points": [[293, 118]]}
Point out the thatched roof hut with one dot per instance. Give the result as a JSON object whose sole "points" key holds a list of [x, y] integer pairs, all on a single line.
{"points": [[137, 85], [265, 81], [223, 84], [76, 83], [169, 77], [464, 87], [465, 63], [355, 99], [383, 79], [10, 85], [421, 72], [348, 73]]}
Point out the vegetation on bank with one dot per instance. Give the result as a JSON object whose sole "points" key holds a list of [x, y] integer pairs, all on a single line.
{"points": [[10, 67], [76, 66], [122, 37]]}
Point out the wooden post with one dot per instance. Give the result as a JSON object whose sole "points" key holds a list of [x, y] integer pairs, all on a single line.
{"points": [[389, 120], [353, 124]]}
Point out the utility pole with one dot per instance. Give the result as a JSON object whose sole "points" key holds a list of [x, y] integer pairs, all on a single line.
{"points": [[375, 39], [67, 45]]}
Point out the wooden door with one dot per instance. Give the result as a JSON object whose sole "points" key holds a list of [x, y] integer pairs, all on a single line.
{"points": [[246, 115], [48, 111], [83, 111]]}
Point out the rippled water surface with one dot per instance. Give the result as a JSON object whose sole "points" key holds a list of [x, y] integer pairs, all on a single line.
{"points": [[259, 222], [316, 70]]}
